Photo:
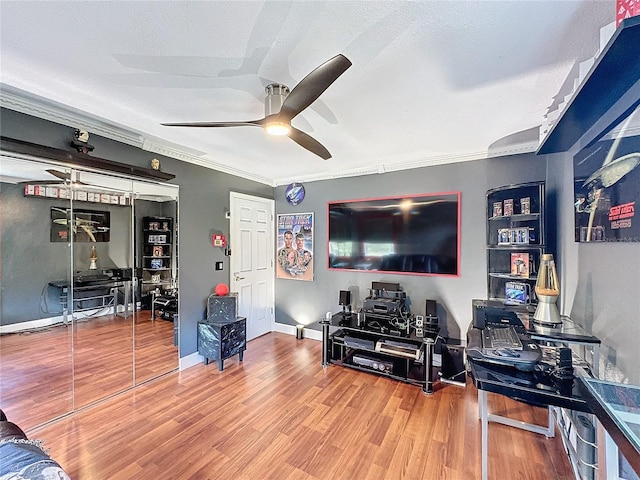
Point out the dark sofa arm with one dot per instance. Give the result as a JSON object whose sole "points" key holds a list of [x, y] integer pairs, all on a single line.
{"points": [[24, 458]]}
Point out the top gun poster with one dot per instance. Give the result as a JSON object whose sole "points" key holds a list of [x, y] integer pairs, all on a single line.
{"points": [[607, 186], [294, 256]]}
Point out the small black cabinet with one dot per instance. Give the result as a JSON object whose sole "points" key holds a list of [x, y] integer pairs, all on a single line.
{"points": [[405, 358], [219, 340]]}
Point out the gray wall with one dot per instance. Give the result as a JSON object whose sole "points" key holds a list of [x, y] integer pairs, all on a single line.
{"points": [[306, 302], [30, 260], [204, 197], [600, 282]]}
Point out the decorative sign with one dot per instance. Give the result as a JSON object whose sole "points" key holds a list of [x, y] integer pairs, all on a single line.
{"points": [[607, 186], [626, 9], [294, 193]]}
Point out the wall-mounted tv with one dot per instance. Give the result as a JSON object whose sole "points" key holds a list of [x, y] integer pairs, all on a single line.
{"points": [[416, 234]]}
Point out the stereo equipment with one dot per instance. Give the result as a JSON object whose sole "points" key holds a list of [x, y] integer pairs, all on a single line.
{"points": [[431, 310], [419, 321], [384, 306], [387, 324], [373, 363], [356, 342], [345, 298], [393, 287], [398, 348], [419, 332]]}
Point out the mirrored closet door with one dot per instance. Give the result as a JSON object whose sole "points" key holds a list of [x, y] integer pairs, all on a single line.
{"points": [[75, 327]]}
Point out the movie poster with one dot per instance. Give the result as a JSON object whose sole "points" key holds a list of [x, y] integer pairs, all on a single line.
{"points": [[607, 186], [294, 256]]}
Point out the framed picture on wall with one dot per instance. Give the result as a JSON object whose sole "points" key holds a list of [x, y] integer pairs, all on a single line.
{"points": [[295, 246], [607, 185], [82, 225]]}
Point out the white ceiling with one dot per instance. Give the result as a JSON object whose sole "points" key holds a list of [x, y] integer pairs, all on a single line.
{"points": [[431, 81]]}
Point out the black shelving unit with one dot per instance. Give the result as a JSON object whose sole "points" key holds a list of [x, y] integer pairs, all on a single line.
{"points": [[516, 240], [158, 268]]}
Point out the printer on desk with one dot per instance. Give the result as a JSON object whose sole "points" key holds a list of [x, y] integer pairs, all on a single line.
{"points": [[498, 336]]}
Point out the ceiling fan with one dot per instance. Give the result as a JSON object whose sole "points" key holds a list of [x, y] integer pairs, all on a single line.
{"points": [[64, 178], [282, 105]]}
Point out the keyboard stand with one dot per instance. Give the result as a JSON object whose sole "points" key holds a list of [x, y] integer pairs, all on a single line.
{"points": [[486, 417]]}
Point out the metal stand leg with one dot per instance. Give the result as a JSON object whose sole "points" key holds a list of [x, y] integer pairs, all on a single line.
{"points": [[325, 343], [484, 418], [427, 387]]}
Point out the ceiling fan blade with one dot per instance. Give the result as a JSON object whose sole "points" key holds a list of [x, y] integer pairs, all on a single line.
{"points": [[310, 143], [250, 123], [58, 174], [312, 86]]}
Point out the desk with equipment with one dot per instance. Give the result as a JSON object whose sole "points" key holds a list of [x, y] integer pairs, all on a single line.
{"points": [[532, 367], [95, 290]]}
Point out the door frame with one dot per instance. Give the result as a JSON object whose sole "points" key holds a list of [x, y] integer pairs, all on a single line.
{"points": [[234, 236]]}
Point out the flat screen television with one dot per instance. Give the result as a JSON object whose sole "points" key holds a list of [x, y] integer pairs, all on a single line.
{"points": [[416, 234]]}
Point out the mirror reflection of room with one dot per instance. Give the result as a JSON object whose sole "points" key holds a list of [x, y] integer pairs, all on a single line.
{"points": [[74, 328]]}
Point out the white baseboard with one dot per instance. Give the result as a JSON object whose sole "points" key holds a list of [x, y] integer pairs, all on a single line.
{"points": [[30, 325], [291, 330], [190, 361], [195, 358], [50, 321]]}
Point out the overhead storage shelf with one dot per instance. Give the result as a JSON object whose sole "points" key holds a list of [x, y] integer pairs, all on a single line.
{"points": [[614, 72]]}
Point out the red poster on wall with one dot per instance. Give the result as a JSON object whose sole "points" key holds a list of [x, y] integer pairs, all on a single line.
{"points": [[626, 9]]}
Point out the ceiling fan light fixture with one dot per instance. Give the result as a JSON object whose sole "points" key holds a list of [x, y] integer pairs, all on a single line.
{"points": [[278, 128]]}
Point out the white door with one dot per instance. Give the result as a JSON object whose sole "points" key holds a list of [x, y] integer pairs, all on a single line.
{"points": [[252, 260]]}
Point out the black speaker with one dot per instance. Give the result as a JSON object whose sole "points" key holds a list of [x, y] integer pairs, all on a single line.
{"points": [[430, 309], [345, 298]]}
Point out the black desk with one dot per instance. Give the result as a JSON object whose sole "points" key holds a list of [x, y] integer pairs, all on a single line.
{"points": [[535, 388], [617, 407], [569, 333], [99, 292]]}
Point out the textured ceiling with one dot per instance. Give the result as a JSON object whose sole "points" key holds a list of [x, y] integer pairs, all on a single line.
{"points": [[431, 82]]}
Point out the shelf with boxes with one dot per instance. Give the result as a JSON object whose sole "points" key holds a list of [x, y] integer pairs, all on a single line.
{"points": [[158, 263], [516, 240]]}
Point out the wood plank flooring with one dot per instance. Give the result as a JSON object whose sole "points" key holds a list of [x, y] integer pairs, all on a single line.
{"points": [[47, 372], [280, 415]]}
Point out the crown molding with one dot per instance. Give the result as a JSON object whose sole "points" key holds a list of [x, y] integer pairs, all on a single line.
{"points": [[163, 149], [36, 106], [40, 107], [385, 168]]}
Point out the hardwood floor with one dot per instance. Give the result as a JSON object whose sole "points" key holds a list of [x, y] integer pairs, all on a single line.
{"points": [[47, 372], [280, 415]]}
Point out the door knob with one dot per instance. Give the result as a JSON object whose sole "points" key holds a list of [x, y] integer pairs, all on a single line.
{"points": [[237, 277]]}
